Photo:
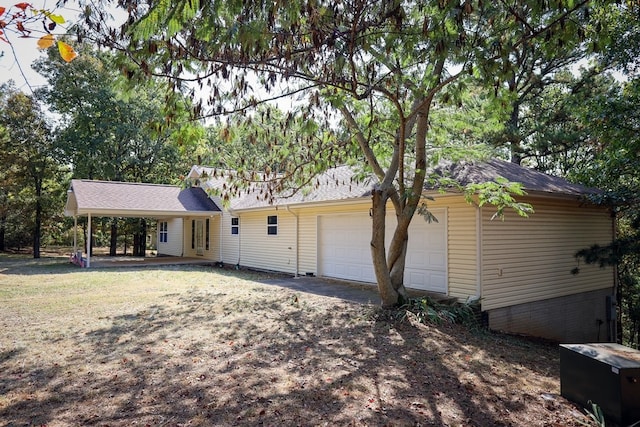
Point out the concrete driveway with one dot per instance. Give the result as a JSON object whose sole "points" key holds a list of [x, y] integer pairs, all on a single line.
{"points": [[348, 291]]}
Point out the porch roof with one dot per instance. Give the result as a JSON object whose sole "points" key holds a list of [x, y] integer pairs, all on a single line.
{"points": [[123, 199]]}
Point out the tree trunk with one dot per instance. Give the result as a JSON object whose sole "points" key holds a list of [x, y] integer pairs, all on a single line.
{"points": [[3, 229], [388, 293], [397, 258], [513, 126], [37, 226], [135, 247], [113, 243], [143, 237], [139, 238], [36, 231]]}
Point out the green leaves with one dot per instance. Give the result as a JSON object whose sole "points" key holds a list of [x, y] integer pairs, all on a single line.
{"points": [[499, 194]]}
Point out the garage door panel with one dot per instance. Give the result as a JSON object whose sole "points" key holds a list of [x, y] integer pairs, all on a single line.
{"points": [[344, 247]]}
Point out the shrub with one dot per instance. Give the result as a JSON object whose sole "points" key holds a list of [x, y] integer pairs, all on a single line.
{"points": [[426, 309]]}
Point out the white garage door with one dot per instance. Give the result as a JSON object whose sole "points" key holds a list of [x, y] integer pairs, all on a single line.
{"points": [[344, 247], [426, 263], [344, 250]]}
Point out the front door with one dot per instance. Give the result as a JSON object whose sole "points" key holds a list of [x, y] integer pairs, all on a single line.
{"points": [[199, 237]]}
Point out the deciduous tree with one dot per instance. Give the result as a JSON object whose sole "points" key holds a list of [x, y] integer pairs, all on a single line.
{"points": [[112, 131], [28, 151]]}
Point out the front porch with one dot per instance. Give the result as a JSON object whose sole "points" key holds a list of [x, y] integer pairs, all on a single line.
{"points": [[98, 261]]}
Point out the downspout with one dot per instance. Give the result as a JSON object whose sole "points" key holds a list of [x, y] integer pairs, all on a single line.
{"points": [[220, 238], [479, 253], [297, 239]]}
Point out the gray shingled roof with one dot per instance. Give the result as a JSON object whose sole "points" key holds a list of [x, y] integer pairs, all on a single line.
{"points": [[472, 172], [336, 184], [111, 198], [340, 184]]}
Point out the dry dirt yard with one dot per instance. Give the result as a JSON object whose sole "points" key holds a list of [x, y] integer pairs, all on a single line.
{"points": [[203, 346]]}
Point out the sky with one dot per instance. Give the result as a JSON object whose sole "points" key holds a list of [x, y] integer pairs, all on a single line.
{"points": [[17, 57]]}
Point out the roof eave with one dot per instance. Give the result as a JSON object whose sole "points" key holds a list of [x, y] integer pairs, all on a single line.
{"points": [[133, 213]]}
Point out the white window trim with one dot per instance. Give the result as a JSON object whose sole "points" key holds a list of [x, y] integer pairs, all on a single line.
{"points": [[272, 226]]}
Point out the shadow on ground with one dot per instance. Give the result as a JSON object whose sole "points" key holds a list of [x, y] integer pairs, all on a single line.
{"points": [[276, 358]]}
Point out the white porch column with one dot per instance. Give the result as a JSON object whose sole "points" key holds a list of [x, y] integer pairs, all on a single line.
{"points": [[75, 235], [88, 242]]}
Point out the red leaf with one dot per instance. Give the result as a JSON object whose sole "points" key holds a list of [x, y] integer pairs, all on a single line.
{"points": [[23, 6], [2, 9]]}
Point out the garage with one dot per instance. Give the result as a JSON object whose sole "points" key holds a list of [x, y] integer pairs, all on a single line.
{"points": [[344, 251]]}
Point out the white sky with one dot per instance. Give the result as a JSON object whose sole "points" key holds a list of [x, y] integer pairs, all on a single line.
{"points": [[16, 59]]}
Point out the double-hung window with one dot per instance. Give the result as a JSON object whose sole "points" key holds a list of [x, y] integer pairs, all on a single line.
{"points": [[235, 225], [272, 225], [164, 232]]}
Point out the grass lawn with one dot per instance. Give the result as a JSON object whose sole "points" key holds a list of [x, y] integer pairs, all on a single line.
{"points": [[201, 346]]}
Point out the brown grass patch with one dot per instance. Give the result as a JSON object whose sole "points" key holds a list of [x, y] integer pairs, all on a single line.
{"points": [[185, 345]]}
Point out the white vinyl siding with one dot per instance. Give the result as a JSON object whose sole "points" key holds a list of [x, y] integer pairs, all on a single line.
{"points": [[230, 242], [268, 252], [531, 259], [173, 245], [462, 247]]}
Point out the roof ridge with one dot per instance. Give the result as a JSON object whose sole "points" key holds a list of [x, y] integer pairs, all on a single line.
{"points": [[102, 181]]}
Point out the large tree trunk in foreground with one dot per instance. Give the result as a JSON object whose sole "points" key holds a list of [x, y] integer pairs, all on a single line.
{"points": [[388, 294], [389, 271]]}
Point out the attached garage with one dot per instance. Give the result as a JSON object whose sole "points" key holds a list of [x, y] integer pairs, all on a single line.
{"points": [[344, 250]]}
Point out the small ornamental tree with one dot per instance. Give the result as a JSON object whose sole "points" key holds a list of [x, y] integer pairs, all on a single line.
{"points": [[379, 68]]}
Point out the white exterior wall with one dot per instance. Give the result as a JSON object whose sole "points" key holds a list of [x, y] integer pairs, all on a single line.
{"points": [[230, 246], [267, 252], [531, 259], [462, 236], [173, 246]]}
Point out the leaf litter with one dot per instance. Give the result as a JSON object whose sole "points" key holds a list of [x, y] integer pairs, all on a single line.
{"points": [[202, 346]]}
